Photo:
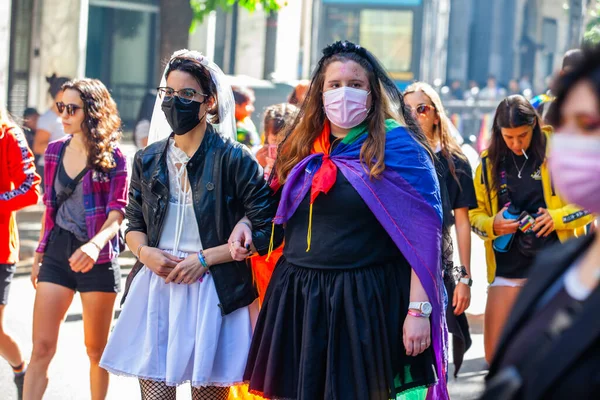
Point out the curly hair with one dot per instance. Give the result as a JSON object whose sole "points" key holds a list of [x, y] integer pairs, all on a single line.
{"points": [[101, 125]]}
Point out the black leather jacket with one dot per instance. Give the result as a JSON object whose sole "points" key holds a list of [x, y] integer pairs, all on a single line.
{"points": [[227, 183]]}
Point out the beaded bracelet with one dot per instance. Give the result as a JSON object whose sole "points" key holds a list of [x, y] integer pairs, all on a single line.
{"points": [[202, 259]]}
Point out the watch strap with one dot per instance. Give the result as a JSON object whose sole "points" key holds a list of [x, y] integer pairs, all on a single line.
{"points": [[466, 281], [419, 305], [417, 314]]}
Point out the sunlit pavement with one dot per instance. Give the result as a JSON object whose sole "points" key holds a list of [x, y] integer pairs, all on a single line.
{"points": [[68, 371]]}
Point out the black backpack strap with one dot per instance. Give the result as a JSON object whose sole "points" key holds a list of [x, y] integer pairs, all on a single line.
{"points": [[484, 178], [70, 188]]}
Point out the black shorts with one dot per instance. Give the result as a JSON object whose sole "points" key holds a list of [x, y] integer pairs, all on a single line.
{"points": [[56, 269], [7, 271]]}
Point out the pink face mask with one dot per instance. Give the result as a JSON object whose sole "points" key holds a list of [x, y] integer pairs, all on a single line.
{"points": [[346, 107], [574, 162]]}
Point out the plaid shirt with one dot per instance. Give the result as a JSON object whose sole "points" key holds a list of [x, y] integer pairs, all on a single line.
{"points": [[102, 193]]}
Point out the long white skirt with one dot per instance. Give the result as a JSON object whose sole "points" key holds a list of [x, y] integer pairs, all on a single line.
{"points": [[174, 333]]}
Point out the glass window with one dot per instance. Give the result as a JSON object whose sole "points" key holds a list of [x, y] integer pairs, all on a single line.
{"points": [[389, 35], [18, 67], [121, 53], [122, 4], [342, 24]]}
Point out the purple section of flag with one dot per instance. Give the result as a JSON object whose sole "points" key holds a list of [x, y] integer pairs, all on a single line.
{"points": [[406, 201]]}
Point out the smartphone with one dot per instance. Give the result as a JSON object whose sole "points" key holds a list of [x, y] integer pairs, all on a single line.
{"points": [[526, 222]]}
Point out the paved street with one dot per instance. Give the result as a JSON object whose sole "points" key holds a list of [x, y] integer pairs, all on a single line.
{"points": [[68, 371]]}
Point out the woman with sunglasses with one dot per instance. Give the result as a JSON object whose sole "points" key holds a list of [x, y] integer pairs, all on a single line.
{"points": [[519, 210], [191, 302], [458, 196], [85, 198]]}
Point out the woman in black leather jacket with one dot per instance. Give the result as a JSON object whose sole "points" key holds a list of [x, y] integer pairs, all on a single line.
{"points": [[190, 310]]}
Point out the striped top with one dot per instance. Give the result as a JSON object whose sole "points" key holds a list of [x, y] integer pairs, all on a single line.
{"points": [[19, 187]]}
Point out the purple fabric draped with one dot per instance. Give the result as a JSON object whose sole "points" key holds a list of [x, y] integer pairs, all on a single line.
{"points": [[406, 201]]}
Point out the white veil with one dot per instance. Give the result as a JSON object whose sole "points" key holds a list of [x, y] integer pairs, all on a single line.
{"points": [[159, 127]]}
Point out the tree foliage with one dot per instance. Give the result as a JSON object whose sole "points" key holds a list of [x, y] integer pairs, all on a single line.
{"points": [[201, 8], [592, 29]]}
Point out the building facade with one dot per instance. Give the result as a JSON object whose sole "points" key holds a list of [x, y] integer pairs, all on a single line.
{"points": [[509, 39], [114, 41], [117, 41]]}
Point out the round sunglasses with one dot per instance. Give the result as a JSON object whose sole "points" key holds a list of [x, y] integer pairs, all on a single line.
{"points": [[71, 108]]}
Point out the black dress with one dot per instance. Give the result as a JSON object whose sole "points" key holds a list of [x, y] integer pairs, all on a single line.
{"points": [[332, 320]]}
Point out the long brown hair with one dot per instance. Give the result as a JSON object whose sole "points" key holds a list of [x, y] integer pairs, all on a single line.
{"points": [[101, 126], [449, 148], [385, 100], [513, 112]]}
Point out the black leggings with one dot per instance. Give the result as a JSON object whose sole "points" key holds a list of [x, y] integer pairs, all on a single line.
{"points": [[154, 390]]}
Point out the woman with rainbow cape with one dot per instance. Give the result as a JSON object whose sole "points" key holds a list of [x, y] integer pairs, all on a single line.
{"points": [[355, 308]]}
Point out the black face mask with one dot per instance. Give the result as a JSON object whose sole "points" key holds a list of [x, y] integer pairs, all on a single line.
{"points": [[182, 117]]}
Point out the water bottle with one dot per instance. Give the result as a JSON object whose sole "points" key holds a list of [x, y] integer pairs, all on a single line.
{"points": [[502, 243]]}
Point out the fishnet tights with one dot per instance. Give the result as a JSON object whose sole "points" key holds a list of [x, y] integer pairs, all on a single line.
{"points": [[210, 393], [154, 390]]}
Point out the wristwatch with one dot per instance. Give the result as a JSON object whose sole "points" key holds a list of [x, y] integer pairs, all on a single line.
{"points": [[424, 307], [466, 281]]}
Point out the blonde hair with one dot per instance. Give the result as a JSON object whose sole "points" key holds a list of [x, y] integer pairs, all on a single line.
{"points": [[6, 118], [442, 132]]}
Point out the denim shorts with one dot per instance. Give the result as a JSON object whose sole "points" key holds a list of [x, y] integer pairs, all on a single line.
{"points": [[55, 267], [7, 271]]}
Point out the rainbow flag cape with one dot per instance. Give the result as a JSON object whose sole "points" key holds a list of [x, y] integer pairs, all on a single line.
{"points": [[405, 199]]}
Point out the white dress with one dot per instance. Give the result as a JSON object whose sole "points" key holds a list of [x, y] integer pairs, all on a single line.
{"points": [[175, 333]]}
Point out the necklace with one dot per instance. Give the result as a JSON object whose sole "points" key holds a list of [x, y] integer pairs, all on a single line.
{"points": [[520, 170]]}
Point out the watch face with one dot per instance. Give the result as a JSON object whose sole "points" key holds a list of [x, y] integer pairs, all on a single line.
{"points": [[426, 308]]}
